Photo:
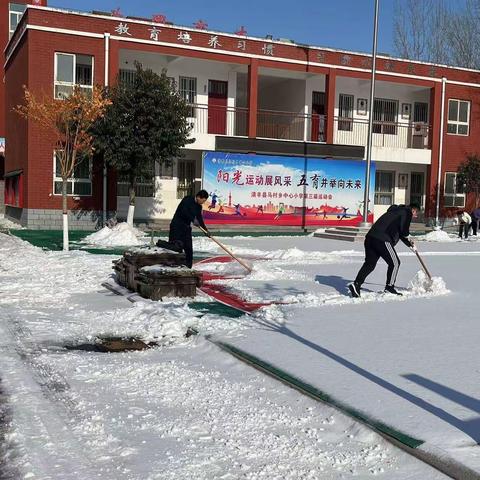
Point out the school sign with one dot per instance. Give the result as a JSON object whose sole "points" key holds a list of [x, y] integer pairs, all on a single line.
{"points": [[278, 190]]}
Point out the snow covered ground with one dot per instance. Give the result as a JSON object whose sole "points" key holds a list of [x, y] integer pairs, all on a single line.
{"points": [[188, 410]]}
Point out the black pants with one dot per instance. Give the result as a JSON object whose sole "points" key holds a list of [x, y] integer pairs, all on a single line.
{"points": [[463, 230], [474, 226], [180, 232], [374, 249]]}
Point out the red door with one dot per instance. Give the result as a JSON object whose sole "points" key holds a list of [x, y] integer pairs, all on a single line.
{"points": [[217, 107], [318, 117]]}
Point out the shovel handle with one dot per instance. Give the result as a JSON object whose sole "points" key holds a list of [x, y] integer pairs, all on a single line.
{"points": [[422, 263], [244, 265]]}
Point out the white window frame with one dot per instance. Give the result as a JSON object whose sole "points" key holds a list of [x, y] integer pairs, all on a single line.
{"points": [[71, 84], [74, 181], [455, 195], [193, 106], [457, 122], [19, 16], [144, 188], [378, 192], [345, 121], [181, 91]]}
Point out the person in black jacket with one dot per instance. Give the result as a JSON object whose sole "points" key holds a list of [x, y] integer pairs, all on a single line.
{"points": [[180, 237], [392, 226]]}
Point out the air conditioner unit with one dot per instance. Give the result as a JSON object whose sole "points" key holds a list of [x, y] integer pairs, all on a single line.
{"points": [[420, 130]]}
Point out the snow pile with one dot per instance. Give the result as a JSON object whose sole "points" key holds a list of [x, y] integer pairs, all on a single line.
{"points": [[165, 323], [164, 269], [438, 236], [143, 250], [421, 285], [271, 314], [227, 269], [7, 224], [120, 235]]}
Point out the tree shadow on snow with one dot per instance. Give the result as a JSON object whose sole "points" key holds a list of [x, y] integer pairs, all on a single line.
{"points": [[470, 428]]}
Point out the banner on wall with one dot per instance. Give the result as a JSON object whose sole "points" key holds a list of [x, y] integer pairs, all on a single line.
{"points": [[278, 190]]}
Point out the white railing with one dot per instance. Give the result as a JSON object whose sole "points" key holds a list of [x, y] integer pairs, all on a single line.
{"points": [[350, 131], [232, 121], [273, 124]]}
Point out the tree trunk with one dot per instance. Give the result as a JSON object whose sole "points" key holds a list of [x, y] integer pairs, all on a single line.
{"points": [[65, 214], [131, 203]]}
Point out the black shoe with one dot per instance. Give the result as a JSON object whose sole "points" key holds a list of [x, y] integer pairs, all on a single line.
{"points": [[174, 246], [391, 289], [354, 289]]}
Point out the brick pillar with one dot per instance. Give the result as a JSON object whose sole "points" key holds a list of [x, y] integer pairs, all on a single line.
{"points": [[330, 82], [252, 97], [434, 144]]}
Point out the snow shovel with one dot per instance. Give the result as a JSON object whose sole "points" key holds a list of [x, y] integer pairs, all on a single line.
{"points": [[422, 263], [243, 264]]}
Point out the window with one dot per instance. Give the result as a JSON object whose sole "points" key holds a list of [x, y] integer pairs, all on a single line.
{"points": [[384, 187], [420, 112], [187, 87], [453, 191], [71, 70], [80, 183], [186, 178], [458, 117], [416, 188], [385, 116], [126, 77], [345, 112], [165, 171], [16, 11], [145, 186]]}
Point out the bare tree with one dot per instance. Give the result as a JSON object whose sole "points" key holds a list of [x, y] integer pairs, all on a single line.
{"points": [[433, 31], [437, 33], [463, 35], [410, 35]]}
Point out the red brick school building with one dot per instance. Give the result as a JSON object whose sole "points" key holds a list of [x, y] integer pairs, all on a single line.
{"points": [[248, 95]]}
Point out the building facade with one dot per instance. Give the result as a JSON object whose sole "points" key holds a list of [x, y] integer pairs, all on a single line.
{"points": [[247, 95]]}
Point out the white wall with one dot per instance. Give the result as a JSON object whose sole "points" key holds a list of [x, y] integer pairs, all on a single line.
{"points": [[393, 91], [281, 94]]}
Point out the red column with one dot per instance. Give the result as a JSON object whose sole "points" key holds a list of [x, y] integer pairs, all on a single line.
{"points": [[252, 97], [434, 143], [330, 82]]}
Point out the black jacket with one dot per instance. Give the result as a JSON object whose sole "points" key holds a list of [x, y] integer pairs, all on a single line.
{"points": [[393, 225], [187, 211]]}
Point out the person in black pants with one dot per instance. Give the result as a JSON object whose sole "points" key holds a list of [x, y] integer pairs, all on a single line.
{"points": [[180, 237], [380, 242], [475, 220]]}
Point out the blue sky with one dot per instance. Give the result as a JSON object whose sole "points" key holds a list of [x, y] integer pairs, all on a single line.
{"points": [[343, 24]]}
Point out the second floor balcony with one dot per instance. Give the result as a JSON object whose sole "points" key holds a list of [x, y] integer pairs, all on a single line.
{"points": [[293, 126], [272, 124]]}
